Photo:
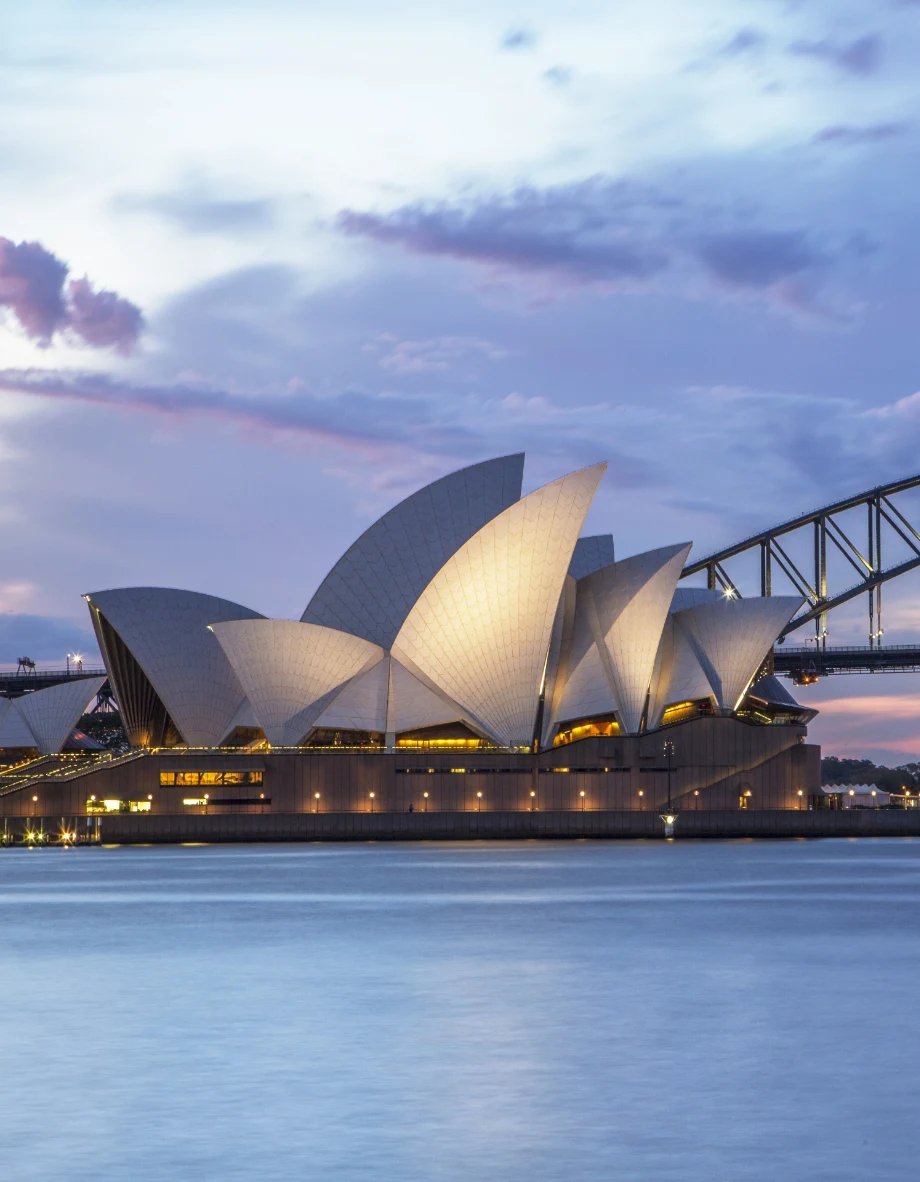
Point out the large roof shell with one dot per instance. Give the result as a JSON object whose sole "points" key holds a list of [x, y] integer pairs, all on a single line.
{"points": [[361, 704], [627, 605], [166, 632], [678, 676], [14, 730], [289, 670], [481, 629], [52, 713], [731, 638], [374, 585], [414, 705], [591, 554]]}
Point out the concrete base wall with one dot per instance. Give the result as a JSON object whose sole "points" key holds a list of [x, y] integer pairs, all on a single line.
{"points": [[717, 763], [140, 828]]}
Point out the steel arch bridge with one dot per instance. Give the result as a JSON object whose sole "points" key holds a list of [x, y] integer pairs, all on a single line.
{"points": [[845, 559]]}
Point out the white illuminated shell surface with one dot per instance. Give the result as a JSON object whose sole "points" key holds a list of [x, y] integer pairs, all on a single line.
{"points": [[52, 713], [166, 631], [374, 585], [480, 630], [289, 670], [730, 639], [462, 604]]}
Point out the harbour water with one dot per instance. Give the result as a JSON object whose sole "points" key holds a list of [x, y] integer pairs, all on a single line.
{"points": [[477, 1011]]}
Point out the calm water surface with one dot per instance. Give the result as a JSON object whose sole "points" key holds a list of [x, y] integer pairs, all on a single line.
{"points": [[532, 1011]]}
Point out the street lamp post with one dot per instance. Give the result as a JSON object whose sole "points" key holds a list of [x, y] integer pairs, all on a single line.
{"points": [[669, 754], [669, 817]]}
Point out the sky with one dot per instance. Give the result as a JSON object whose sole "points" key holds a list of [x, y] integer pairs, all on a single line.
{"points": [[266, 269]]}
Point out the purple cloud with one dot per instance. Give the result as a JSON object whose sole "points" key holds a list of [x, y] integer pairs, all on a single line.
{"points": [[847, 135], [758, 259], [352, 420], [861, 56], [608, 235], [34, 287], [103, 319], [584, 234]]}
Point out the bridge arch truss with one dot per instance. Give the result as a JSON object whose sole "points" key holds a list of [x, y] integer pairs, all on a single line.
{"points": [[885, 546]]}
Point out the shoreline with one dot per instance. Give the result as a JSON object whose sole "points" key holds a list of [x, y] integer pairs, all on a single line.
{"points": [[172, 829]]}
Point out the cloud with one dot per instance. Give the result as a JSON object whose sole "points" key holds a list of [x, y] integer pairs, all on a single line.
{"points": [[519, 38], [435, 355], [848, 135], [353, 420], [863, 56], [43, 638], [611, 235], [35, 288], [15, 595], [196, 210], [745, 41], [32, 287], [758, 260], [581, 233], [103, 319], [559, 76]]}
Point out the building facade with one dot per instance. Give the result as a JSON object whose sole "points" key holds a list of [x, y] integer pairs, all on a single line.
{"points": [[471, 651]]}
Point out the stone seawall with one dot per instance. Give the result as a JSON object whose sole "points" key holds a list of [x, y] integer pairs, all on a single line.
{"points": [[134, 828]]}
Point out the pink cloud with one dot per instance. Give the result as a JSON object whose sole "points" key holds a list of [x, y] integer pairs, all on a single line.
{"points": [[34, 288]]}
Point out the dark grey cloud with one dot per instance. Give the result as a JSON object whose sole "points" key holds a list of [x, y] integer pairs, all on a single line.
{"points": [[859, 57], [849, 135], [520, 37], [34, 287], [43, 638]]}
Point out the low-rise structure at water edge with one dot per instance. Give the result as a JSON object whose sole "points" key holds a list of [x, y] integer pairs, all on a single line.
{"points": [[471, 652]]}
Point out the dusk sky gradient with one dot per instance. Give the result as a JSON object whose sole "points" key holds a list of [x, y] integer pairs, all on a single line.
{"points": [[265, 269]]}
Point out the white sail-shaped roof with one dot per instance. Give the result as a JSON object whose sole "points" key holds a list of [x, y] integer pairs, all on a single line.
{"points": [[166, 632], [372, 588], [361, 705], [678, 677], [591, 554], [14, 731], [414, 706], [627, 605], [52, 713], [587, 690], [289, 670], [685, 597], [480, 631], [731, 638]]}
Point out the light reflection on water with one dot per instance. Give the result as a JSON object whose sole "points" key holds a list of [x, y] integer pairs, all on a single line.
{"points": [[609, 1010]]}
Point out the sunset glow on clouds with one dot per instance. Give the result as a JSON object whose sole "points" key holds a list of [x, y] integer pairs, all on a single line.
{"points": [[264, 271]]}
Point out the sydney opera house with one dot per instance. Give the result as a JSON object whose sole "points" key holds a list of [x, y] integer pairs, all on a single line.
{"points": [[472, 651]]}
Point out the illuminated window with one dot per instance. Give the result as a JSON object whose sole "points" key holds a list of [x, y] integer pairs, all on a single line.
{"points": [[209, 779]]}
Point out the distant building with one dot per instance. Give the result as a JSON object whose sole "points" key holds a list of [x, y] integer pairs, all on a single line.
{"points": [[856, 796], [470, 650]]}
